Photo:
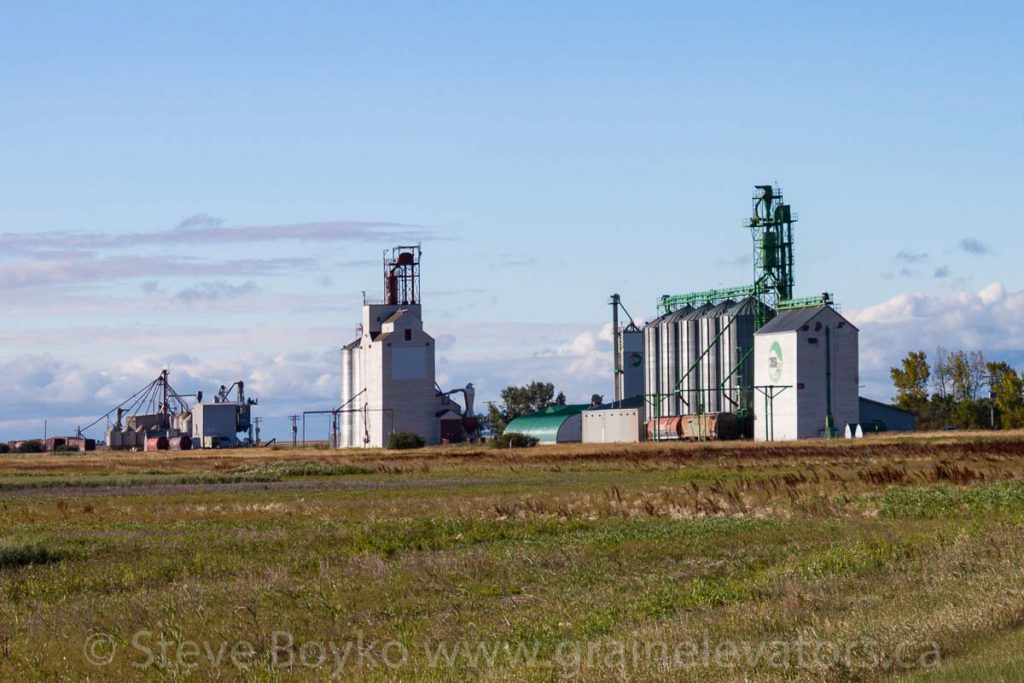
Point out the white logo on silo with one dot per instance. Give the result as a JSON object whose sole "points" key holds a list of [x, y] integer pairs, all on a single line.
{"points": [[775, 361]]}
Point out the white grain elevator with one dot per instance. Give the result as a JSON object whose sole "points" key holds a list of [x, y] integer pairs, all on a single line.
{"points": [[806, 375], [387, 373]]}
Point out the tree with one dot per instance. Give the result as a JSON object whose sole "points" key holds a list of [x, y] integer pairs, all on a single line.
{"points": [[966, 373], [939, 372], [516, 401], [1008, 394], [911, 381]]}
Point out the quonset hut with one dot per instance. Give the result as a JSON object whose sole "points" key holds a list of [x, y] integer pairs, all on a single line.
{"points": [[554, 424]]}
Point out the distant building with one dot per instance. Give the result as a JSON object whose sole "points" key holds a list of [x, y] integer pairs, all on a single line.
{"points": [[876, 416], [555, 424]]}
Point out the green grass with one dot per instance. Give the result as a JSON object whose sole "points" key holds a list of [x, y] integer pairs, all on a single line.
{"points": [[949, 501], [546, 553]]}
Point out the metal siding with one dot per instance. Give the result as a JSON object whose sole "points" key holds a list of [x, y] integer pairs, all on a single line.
{"points": [[783, 411], [690, 352], [710, 326], [347, 384], [845, 371], [811, 373], [741, 342], [668, 367], [215, 419], [612, 426], [651, 374], [632, 375]]}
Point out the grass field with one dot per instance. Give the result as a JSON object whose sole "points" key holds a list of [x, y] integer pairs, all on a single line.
{"points": [[886, 559]]}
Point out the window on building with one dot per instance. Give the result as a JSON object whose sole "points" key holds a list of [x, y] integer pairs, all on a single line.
{"points": [[408, 335]]}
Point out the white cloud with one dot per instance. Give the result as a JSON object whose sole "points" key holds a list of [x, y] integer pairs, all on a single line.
{"points": [[990, 319], [214, 291], [206, 229]]}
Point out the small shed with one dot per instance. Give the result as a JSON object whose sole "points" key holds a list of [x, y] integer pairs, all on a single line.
{"points": [[554, 424], [618, 422]]}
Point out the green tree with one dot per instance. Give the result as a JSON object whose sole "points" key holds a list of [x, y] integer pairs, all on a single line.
{"points": [[516, 401], [911, 381], [1008, 394], [966, 373]]}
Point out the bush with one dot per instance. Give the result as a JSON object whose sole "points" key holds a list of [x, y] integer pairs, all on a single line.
{"points": [[402, 441], [4, 448], [12, 556], [31, 447], [66, 449], [515, 440]]}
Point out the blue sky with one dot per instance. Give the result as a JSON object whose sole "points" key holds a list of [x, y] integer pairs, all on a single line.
{"points": [[545, 155]]}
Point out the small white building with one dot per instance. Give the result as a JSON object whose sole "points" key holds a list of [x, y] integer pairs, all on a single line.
{"points": [[613, 425], [805, 375]]}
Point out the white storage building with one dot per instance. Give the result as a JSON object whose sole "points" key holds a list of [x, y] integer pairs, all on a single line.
{"points": [[621, 422], [807, 358]]}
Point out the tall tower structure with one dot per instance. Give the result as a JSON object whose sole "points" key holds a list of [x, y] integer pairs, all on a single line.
{"points": [[771, 226], [388, 371]]}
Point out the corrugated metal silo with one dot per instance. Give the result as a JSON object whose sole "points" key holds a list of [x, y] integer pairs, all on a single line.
{"points": [[674, 373], [689, 351], [652, 377], [711, 324], [668, 370], [737, 366]]}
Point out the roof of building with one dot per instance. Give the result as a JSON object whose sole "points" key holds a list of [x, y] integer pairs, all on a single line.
{"points": [[544, 424], [887, 406], [626, 403], [793, 319], [745, 306]]}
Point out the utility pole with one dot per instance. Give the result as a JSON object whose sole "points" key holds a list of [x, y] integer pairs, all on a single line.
{"points": [[992, 398], [295, 429]]}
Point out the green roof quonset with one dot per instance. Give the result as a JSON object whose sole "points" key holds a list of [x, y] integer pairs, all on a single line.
{"points": [[544, 424]]}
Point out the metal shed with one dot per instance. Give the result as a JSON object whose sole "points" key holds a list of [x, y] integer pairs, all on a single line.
{"points": [[876, 416], [555, 424]]}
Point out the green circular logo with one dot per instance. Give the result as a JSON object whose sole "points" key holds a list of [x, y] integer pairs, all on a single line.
{"points": [[635, 360], [775, 361]]}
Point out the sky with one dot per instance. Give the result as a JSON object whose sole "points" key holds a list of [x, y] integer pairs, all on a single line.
{"points": [[209, 187]]}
